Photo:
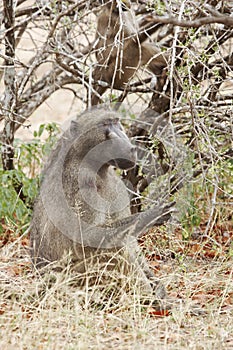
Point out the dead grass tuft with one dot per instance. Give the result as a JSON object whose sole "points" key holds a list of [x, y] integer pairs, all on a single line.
{"points": [[49, 311]]}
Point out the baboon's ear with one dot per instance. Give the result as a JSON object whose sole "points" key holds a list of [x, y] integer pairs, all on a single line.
{"points": [[74, 127]]}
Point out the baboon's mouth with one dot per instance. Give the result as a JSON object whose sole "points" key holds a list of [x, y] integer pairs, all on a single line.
{"points": [[121, 163]]}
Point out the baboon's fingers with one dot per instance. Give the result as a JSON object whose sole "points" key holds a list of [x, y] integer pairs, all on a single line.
{"points": [[155, 217], [163, 214]]}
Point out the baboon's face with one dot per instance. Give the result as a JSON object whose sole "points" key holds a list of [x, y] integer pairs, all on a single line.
{"points": [[126, 155]]}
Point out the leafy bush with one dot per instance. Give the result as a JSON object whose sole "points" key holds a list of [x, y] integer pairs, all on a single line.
{"points": [[20, 186]]}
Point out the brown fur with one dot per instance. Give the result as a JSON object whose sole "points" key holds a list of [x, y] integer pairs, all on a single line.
{"points": [[119, 51]]}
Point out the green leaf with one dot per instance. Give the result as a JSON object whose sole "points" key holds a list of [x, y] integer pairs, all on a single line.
{"points": [[41, 130]]}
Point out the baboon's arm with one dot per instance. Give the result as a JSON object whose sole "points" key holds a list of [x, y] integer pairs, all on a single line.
{"points": [[134, 225]]}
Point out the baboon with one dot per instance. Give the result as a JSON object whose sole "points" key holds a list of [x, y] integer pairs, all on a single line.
{"points": [[83, 209], [120, 51]]}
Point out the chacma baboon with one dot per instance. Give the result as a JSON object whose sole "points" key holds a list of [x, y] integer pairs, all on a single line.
{"points": [[119, 49], [83, 208]]}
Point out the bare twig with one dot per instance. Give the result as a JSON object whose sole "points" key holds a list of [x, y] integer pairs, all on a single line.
{"points": [[225, 20]]}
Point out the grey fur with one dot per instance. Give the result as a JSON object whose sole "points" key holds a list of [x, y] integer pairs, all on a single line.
{"points": [[83, 208]]}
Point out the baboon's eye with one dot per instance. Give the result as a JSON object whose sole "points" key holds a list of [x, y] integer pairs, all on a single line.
{"points": [[107, 133], [115, 121], [107, 122]]}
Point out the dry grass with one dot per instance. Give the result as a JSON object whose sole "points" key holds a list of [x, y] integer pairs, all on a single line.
{"points": [[51, 312]]}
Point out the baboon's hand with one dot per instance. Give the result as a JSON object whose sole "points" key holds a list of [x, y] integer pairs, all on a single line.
{"points": [[162, 213], [155, 216]]}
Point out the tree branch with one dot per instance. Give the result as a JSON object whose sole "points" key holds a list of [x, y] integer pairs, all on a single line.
{"points": [[225, 20]]}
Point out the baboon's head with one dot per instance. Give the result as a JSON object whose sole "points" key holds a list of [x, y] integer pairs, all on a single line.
{"points": [[124, 153], [103, 141]]}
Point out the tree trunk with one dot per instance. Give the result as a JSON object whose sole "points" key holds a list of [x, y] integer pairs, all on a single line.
{"points": [[10, 89]]}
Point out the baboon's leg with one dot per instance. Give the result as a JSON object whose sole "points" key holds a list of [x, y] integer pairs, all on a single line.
{"points": [[150, 283], [95, 95], [99, 74], [95, 99], [156, 285], [153, 58]]}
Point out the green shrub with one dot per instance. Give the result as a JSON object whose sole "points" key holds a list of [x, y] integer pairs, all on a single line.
{"points": [[20, 186]]}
